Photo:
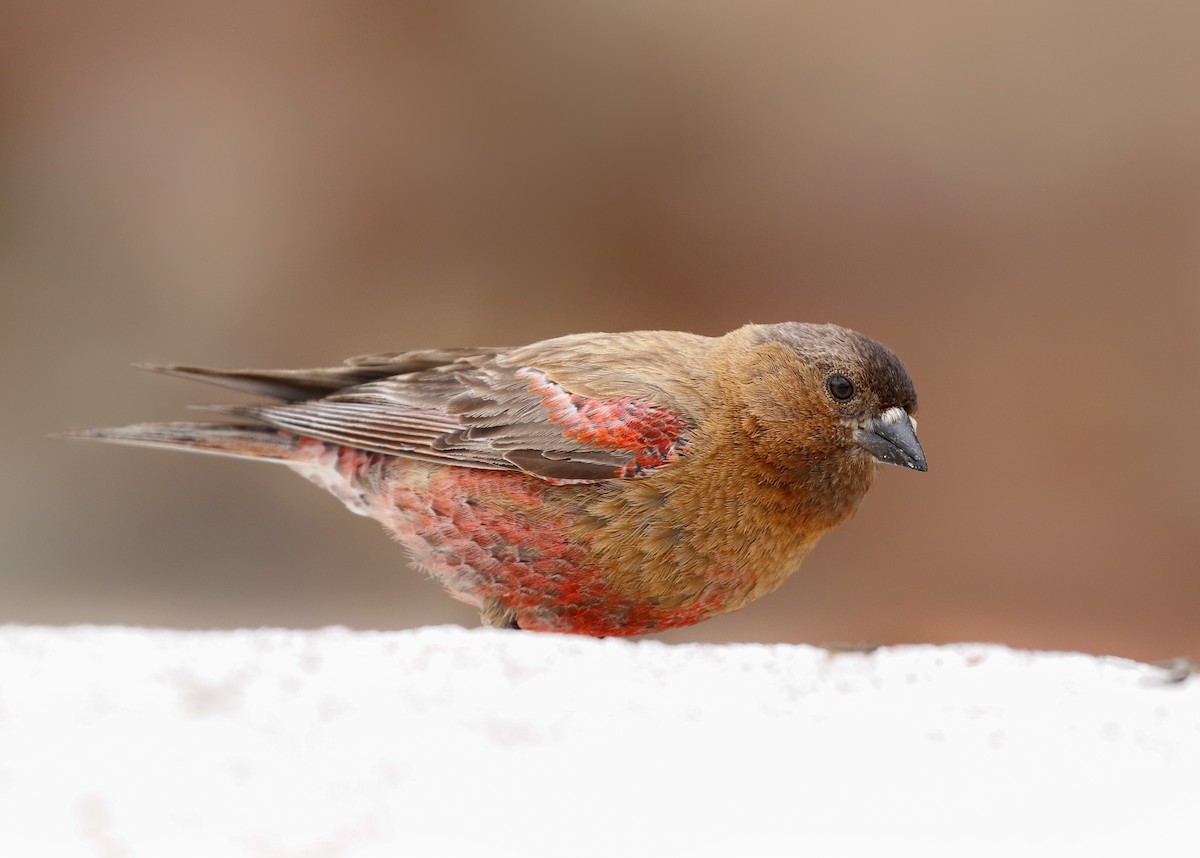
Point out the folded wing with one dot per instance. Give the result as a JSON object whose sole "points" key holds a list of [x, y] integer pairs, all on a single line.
{"points": [[465, 408]]}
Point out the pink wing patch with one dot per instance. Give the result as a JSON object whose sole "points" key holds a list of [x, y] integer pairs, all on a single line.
{"points": [[653, 435]]}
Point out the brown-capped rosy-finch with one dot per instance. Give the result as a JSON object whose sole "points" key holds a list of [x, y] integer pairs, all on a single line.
{"points": [[603, 484]]}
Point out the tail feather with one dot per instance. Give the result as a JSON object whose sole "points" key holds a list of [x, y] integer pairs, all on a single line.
{"points": [[290, 385], [297, 385], [246, 442]]}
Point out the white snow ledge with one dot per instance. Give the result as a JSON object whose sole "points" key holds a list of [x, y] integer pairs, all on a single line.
{"points": [[441, 741]]}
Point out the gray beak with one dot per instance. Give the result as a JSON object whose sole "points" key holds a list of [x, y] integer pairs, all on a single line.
{"points": [[890, 438]]}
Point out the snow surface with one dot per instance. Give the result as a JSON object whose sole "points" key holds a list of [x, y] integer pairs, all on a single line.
{"points": [[442, 741]]}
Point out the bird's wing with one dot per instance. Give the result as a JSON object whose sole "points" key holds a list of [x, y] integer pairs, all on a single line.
{"points": [[483, 412]]}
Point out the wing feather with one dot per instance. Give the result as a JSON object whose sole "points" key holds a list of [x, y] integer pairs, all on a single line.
{"points": [[465, 407]]}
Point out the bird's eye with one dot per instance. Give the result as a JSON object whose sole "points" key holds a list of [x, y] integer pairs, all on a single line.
{"points": [[840, 387]]}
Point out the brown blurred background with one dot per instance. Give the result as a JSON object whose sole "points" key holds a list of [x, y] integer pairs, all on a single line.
{"points": [[1007, 194]]}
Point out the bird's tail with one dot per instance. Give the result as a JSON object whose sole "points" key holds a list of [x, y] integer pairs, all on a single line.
{"points": [[222, 439]]}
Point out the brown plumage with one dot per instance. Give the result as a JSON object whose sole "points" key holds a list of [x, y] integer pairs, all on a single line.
{"points": [[594, 483]]}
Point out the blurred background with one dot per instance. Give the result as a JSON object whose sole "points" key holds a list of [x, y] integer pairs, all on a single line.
{"points": [[1006, 194]]}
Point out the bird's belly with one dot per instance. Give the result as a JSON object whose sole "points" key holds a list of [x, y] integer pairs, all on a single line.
{"points": [[505, 540], [497, 538]]}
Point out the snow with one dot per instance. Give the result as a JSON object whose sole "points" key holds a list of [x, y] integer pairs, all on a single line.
{"points": [[443, 741]]}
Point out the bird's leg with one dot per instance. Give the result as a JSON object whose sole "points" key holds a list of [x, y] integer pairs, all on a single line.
{"points": [[839, 647], [495, 615]]}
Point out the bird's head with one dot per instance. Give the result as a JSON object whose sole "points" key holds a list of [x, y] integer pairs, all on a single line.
{"points": [[817, 391]]}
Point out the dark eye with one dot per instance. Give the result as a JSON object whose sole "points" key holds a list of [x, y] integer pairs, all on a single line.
{"points": [[840, 387]]}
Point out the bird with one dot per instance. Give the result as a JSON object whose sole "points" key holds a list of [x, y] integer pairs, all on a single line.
{"points": [[602, 484]]}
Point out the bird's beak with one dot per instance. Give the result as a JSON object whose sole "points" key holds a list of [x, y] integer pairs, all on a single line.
{"points": [[890, 438]]}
